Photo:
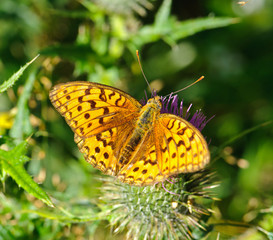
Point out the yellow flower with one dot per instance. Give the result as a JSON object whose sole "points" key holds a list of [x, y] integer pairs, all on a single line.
{"points": [[6, 121]]}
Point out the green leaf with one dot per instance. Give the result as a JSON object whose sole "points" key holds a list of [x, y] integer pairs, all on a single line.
{"points": [[190, 27], [75, 214], [171, 30], [163, 13], [5, 234], [10, 82], [270, 235], [13, 163], [71, 14], [63, 217], [22, 124]]}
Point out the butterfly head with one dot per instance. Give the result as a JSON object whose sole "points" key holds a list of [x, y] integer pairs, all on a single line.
{"points": [[155, 102]]}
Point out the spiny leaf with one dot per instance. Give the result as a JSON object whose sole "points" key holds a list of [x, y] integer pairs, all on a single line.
{"points": [[190, 27], [172, 30], [13, 163], [10, 82]]}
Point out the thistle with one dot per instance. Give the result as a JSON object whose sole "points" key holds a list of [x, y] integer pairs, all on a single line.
{"points": [[175, 209]]}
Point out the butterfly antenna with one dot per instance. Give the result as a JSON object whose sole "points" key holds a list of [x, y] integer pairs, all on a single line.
{"points": [[198, 80], [137, 53]]}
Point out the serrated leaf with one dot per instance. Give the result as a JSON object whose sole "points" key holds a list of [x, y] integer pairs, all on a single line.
{"points": [[13, 163], [10, 82], [190, 27], [21, 125], [172, 30]]}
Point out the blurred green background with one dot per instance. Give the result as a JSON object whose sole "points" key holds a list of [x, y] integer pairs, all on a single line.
{"points": [[96, 41]]}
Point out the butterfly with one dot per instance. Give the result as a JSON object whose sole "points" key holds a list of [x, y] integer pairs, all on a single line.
{"points": [[121, 137]]}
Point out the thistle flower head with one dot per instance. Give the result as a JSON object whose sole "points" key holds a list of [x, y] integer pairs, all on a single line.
{"points": [[175, 210], [153, 213]]}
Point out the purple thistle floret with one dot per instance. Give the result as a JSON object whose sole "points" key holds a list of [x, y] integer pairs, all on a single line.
{"points": [[170, 104]]}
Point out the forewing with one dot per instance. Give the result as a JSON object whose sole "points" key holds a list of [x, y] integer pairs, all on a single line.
{"points": [[91, 108], [180, 146], [101, 117]]}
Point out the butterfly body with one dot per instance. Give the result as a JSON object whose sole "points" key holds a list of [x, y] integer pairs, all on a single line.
{"points": [[143, 127], [122, 138]]}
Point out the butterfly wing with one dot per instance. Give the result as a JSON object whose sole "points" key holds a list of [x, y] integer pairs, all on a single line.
{"points": [[171, 147], [90, 108], [101, 118], [143, 168], [103, 150], [180, 146]]}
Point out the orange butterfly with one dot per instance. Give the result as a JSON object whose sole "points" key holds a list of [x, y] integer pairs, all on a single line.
{"points": [[120, 137]]}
